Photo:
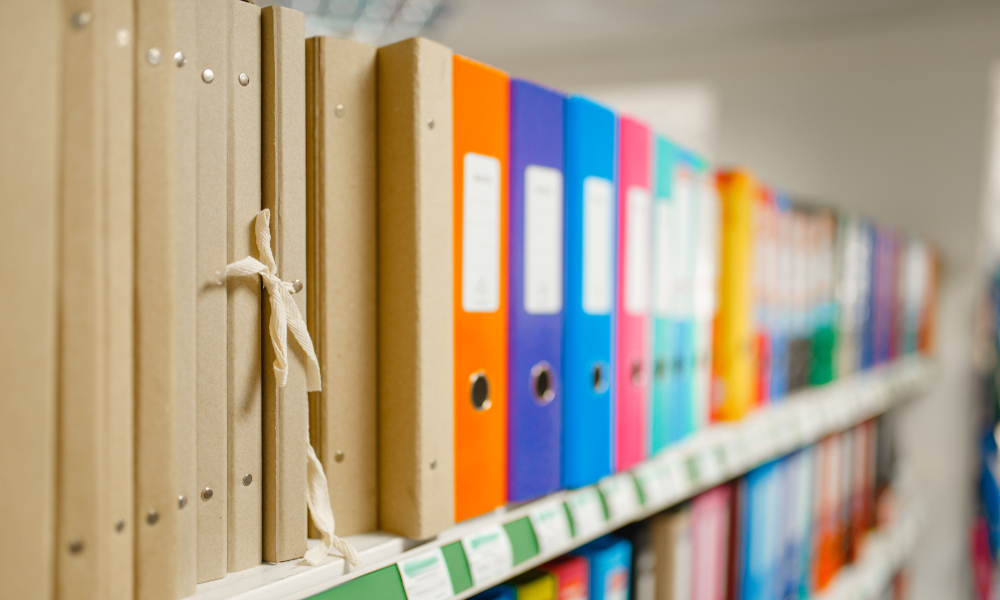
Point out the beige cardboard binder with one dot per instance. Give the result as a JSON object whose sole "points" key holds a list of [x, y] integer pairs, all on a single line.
{"points": [[671, 533], [416, 466], [156, 301], [184, 60], [244, 293], [211, 66], [286, 409], [343, 273], [30, 54]]}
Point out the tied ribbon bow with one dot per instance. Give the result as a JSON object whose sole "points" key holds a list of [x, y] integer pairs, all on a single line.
{"points": [[285, 317]]}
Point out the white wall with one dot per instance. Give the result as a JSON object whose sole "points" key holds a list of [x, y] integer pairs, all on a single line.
{"points": [[892, 120]]}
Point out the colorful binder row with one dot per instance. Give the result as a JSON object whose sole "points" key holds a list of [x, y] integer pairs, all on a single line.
{"points": [[784, 530]]}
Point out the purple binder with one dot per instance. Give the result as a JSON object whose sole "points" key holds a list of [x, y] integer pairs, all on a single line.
{"points": [[536, 290]]}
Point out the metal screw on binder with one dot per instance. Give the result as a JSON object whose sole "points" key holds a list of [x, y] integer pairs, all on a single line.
{"points": [[208, 76], [434, 463], [180, 59], [296, 286], [80, 19], [206, 494], [153, 56], [152, 517], [430, 123], [339, 111], [244, 79], [182, 501], [247, 479], [76, 547]]}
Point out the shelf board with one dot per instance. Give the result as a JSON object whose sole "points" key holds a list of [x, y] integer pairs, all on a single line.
{"points": [[712, 456]]}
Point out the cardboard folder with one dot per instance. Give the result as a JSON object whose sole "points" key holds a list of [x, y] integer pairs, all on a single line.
{"points": [[211, 66], [243, 386], [285, 409], [633, 320], [479, 291], [416, 321], [342, 262], [31, 39], [591, 209], [536, 290]]}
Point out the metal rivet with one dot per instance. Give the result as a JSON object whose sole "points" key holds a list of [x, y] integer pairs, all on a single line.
{"points": [[180, 59], [247, 479], [153, 56], [208, 76], [296, 286], [339, 111], [244, 79], [122, 37], [182, 501], [434, 463], [76, 547], [339, 456], [206, 494], [152, 517], [430, 123], [79, 20], [120, 525]]}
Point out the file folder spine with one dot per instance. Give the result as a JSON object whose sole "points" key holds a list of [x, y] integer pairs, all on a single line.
{"points": [[633, 322], [591, 151], [536, 288]]}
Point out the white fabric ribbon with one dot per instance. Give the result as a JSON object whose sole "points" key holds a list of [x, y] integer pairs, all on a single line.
{"points": [[285, 317]]}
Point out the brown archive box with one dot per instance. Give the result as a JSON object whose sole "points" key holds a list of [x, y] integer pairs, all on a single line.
{"points": [[211, 68], [244, 293], [671, 532], [184, 60], [156, 301], [416, 345], [286, 409], [30, 54], [343, 273]]}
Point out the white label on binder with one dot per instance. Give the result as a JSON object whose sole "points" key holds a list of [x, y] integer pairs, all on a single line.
{"points": [[663, 276], [551, 526], [598, 245], [481, 234], [637, 250], [586, 510], [425, 576], [621, 495], [543, 240], [490, 555]]}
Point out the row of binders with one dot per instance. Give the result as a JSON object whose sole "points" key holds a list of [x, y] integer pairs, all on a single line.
{"points": [[508, 290], [784, 530]]}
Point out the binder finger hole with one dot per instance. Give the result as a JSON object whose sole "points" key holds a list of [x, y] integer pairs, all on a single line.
{"points": [[638, 373], [479, 390], [541, 383], [599, 377], [660, 370]]}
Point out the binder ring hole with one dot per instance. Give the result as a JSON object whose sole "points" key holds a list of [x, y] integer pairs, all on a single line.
{"points": [[479, 390], [599, 377], [660, 369], [542, 384], [638, 374]]}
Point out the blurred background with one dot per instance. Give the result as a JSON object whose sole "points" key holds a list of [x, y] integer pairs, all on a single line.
{"points": [[885, 107]]}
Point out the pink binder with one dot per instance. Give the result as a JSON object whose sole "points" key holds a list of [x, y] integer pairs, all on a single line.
{"points": [[635, 218]]}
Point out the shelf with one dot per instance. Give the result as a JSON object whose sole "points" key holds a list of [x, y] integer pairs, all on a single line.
{"points": [[715, 455]]}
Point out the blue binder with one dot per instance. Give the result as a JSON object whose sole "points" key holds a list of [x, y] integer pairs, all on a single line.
{"points": [[780, 324], [500, 592], [536, 291], [589, 301], [610, 561], [760, 550]]}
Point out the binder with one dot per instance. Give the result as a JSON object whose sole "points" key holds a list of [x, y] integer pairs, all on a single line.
{"points": [[706, 285], [157, 302], [867, 297], [672, 549], [780, 298], [591, 150], [761, 297], [187, 296], [212, 152], [732, 355], [480, 121], [243, 384], [799, 333], [416, 322], [342, 265], [534, 585], [285, 409], [94, 476], [823, 347], [759, 552], [642, 583], [500, 592], [536, 290], [572, 576], [709, 543], [610, 559], [634, 273], [31, 39]]}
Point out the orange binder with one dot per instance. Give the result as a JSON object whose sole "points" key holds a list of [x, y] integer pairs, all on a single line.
{"points": [[480, 97]]}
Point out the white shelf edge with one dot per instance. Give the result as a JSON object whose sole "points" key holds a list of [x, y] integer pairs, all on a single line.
{"points": [[803, 418]]}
